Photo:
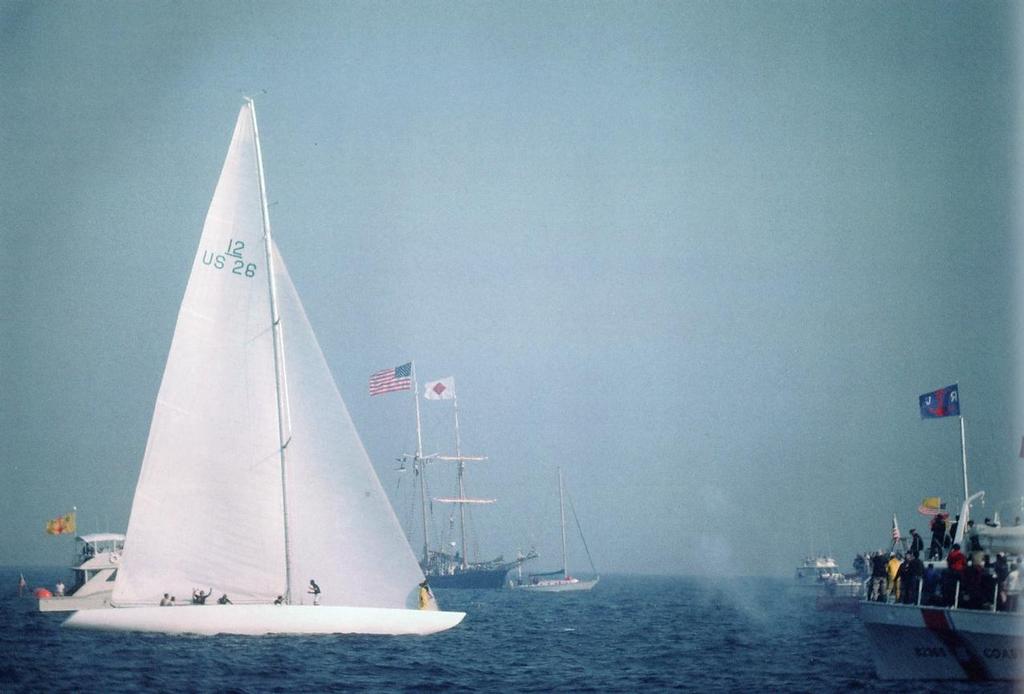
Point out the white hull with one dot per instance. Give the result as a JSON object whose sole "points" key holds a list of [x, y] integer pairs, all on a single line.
{"points": [[813, 573], [71, 603], [559, 586], [912, 642], [258, 620]]}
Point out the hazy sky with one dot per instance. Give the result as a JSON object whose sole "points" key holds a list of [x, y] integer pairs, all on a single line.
{"points": [[702, 255]]}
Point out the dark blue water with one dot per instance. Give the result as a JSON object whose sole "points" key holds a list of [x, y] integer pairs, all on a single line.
{"points": [[629, 634]]}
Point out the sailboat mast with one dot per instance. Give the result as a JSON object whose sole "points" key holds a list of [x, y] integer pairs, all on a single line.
{"points": [[420, 467], [280, 374], [462, 487], [561, 512]]}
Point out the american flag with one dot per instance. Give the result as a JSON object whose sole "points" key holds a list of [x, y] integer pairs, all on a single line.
{"points": [[390, 380]]}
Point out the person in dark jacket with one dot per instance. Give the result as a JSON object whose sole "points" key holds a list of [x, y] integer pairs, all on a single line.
{"points": [[932, 584], [973, 541], [916, 543], [914, 576], [878, 574], [938, 528]]}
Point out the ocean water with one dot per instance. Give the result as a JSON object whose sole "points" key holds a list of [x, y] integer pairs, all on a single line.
{"points": [[631, 633]]}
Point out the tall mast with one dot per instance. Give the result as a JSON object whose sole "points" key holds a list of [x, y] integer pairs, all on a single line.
{"points": [[963, 454], [561, 513], [419, 467], [280, 374], [462, 487]]}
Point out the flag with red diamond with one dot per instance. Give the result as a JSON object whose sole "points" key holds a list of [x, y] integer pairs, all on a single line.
{"points": [[443, 389]]}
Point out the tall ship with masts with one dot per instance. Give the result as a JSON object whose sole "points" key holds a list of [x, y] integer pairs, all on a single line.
{"points": [[452, 564]]}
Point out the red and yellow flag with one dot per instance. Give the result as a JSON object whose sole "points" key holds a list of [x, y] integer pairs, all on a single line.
{"points": [[61, 525]]}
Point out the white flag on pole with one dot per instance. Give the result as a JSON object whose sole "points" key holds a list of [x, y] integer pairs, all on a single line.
{"points": [[443, 389]]}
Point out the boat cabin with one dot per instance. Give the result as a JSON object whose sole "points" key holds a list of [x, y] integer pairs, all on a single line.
{"points": [[96, 554]]}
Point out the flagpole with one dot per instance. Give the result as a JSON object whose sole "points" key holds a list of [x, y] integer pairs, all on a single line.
{"points": [[418, 462], [963, 453], [462, 487]]}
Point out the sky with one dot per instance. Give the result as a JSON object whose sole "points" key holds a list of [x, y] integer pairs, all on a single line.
{"points": [[703, 257]]}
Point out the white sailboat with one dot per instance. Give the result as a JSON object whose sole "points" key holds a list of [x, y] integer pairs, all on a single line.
{"points": [[254, 481], [560, 581]]}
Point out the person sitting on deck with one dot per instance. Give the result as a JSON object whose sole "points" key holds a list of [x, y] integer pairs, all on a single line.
{"points": [[199, 597], [165, 601], [223, 600], [279, 600]]}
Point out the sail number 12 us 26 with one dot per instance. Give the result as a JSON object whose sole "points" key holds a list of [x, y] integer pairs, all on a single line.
{"points": [[231, 259]]}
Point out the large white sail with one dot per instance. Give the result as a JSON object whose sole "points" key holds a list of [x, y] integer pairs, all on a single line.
{"points": [[254, 480], [343, 532], [208, 505]]}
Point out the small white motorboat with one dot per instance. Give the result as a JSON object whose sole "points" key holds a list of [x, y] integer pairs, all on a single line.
{"points": [[97, 558]]}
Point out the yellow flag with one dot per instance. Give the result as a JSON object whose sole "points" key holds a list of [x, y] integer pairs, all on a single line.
{"points": [[931, 506], [61, 525]]}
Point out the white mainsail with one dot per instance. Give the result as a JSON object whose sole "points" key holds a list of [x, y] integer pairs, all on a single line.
{"points": [[212, 508], [208, 505]]}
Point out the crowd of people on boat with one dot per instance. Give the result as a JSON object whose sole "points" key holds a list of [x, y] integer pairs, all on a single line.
{"points": [[943, 532], [972, 580], [198, 598]]}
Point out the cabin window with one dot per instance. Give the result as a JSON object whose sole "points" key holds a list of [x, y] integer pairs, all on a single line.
{"points": [[112, 576]]}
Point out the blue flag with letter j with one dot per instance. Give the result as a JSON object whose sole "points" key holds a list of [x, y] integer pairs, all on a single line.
{"points": [[944, 402]]}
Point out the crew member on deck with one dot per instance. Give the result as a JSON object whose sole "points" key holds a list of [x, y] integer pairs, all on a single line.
{"points": [[314, 590], [427, 601]]}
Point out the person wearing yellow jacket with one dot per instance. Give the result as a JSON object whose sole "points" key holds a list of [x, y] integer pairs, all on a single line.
{"points": [[892, 575]]}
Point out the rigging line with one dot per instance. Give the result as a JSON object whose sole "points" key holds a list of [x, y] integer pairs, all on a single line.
{"points": [[572, 507]]}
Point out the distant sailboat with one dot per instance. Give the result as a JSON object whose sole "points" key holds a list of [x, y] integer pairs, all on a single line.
{"points": [[254, 481], [560, 581]]}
